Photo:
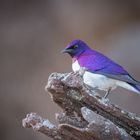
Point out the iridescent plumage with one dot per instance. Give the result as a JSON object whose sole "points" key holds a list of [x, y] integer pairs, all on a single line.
{"points": [[101, 71]]}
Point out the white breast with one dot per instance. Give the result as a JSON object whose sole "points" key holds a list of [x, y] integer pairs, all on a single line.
{"points": [[75, 66]]}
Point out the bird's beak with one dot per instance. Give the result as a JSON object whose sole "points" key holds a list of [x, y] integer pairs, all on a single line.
{"points": [[66, 50]]}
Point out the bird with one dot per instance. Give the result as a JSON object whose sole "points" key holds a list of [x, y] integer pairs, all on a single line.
{"points": [[100, 72]]}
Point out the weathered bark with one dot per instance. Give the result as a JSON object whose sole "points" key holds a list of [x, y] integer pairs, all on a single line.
{"points": [[86, 116]]}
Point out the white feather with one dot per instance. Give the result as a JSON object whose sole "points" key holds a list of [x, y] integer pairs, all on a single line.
{"points": [[100, 81], [75, 66]]}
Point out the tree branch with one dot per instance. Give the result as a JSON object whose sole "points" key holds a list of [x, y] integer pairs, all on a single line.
{"points": [[85, 114]]}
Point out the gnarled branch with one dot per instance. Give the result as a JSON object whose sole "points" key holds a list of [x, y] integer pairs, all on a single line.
{"points": [[85, 114]]}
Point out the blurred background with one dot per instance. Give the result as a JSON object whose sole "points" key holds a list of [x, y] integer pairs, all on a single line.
{"points": [[32, 34]]}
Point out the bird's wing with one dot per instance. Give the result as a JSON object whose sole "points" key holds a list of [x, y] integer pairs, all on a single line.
{"points": [[125, 78], [101, 64]]}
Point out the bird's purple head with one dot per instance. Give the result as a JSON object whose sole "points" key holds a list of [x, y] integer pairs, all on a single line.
{"points": [[75, 48]]}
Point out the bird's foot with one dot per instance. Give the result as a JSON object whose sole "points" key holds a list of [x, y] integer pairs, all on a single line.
{"points": [[104, 101], [79, 72], [107, 93], [75, 73]]}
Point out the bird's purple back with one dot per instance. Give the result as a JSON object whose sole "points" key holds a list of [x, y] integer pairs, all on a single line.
{"points": [[96, 61]]}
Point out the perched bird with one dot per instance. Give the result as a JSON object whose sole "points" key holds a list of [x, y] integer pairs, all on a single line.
{"points": [[100, 71]]}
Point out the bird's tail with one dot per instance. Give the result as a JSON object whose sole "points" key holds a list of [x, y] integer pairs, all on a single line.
{"points": [[135, 88]]}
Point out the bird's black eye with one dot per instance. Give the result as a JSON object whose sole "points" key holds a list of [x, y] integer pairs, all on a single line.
{"points": [[75, 46]]}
